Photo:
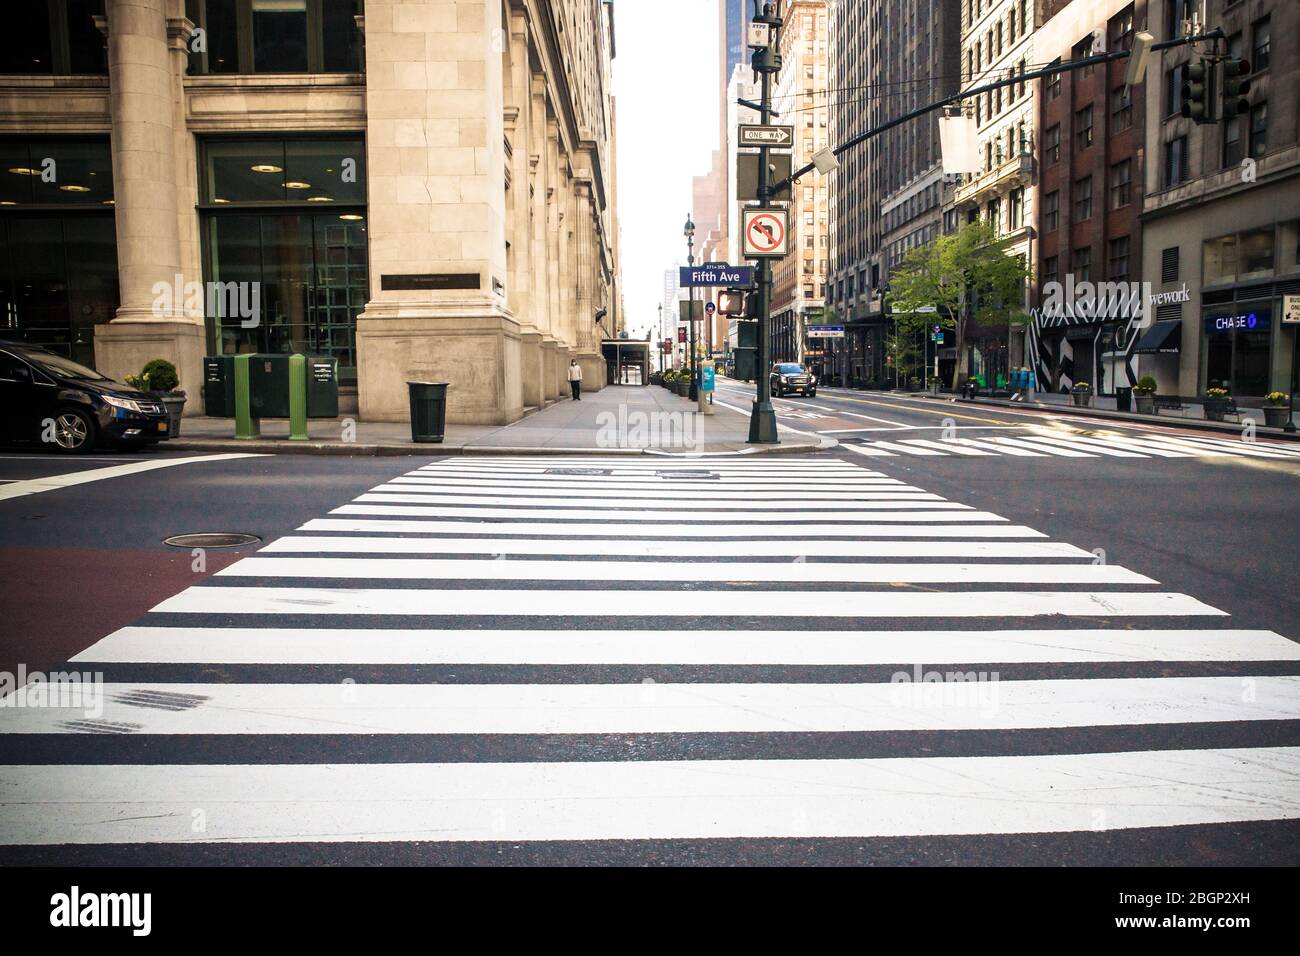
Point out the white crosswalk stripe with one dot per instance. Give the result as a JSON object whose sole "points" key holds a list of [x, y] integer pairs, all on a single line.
{"points": [[1032, 443], [527, 649]]}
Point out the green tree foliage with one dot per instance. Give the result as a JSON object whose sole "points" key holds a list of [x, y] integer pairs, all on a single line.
{"points": [[969, 277]]}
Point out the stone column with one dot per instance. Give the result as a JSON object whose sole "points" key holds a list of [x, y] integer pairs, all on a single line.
{"points": [[436, 158], [146, 103], [590, 356]]}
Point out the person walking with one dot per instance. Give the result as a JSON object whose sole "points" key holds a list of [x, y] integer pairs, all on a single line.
{"points": [[575, 379]]}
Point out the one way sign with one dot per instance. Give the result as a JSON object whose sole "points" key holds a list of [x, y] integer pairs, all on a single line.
{"points": [[778, 136]]}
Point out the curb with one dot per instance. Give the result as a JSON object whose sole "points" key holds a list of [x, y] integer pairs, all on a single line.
{"points": [[434, 450], [1197, 423]]}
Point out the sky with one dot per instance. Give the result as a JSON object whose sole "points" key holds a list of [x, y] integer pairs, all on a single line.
{"points": [[666, 88]]}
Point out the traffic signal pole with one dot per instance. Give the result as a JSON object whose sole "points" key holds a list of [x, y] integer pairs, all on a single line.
{"points": [[762, 416]]}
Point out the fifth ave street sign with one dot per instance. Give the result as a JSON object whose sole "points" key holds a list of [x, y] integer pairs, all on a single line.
{"points": [[715, 274], [781, 137]]}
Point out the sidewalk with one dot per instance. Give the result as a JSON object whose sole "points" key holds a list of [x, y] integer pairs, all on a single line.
{"points": [[619, 419], [1104, 407]]}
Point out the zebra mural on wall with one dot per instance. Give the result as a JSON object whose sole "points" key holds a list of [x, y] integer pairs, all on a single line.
{"points": [[1085, 305]]}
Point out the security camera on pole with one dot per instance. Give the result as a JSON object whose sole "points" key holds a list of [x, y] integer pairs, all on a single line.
{"points": [[765, 228]]}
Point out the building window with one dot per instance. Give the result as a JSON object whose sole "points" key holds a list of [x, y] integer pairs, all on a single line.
{"points": [[52, 36], [1083, 128], [1260, 52], [1121, 108], [1174, 80], [1121, 184], [1050, 269], [1121, 30], [1054, 82], [1081, 264], [1258, 129], [1083, 199], [1082, 50], [1117, 258], [1237, 257], [1052, 144], [1016, 210], [1052, 212], [277, 36], [1176, 161], [1232, 145], [1175, 14]]}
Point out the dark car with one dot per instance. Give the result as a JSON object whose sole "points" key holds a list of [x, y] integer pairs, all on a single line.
{"points": [[51, 400], [788, 377]]}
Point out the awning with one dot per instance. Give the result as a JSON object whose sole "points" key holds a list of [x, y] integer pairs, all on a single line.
{"points": [[1163, 338]]}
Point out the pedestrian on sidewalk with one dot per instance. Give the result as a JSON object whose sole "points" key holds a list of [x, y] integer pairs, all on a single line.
{"points": [[575, 379]]}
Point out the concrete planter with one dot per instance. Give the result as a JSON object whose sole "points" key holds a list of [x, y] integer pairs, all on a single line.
{"points": [[1082, 399], [174, 402], [1146, 404], [1275, 416], [1215, 410]]}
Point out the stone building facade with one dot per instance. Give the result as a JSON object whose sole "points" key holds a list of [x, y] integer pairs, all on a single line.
{"points": [[421, 189]]}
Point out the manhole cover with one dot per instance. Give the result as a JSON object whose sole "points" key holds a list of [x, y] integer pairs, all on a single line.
{"points": [[692, 475], [211, 539], [578, 471]]}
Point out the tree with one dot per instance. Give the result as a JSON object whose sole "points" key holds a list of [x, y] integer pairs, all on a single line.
{"points": [[967, 276]]}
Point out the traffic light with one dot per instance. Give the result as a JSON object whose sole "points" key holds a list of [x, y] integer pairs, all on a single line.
{"points": [[1198, 95], [1236, 84]]}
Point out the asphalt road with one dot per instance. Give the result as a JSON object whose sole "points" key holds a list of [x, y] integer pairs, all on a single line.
{"points": [[566, 747]]}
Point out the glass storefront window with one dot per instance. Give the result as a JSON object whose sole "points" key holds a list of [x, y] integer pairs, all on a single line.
{"points": [[277, 36], [52, 37], [296, 171], [1220, 260], [56, 171], [58, 279], [1238, 358], [1256, 254]]}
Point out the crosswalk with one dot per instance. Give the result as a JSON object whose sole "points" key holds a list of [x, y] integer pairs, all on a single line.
{"points": [[1050, 443], [517, 651]]}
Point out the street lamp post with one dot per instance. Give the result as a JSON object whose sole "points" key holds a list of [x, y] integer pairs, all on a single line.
{"points": [[767, 61], [689, 232]]}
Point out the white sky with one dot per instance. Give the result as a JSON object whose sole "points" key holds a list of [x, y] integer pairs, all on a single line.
{"points": [[666, 84]]}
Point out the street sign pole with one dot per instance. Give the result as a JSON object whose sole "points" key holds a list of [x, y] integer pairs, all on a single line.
{"points": [[762, 417]]}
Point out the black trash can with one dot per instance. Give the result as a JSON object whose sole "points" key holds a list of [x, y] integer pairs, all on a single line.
{"points": [[428, 410], [1123, 399]]}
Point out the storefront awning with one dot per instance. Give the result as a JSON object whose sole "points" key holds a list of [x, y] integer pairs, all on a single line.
{"points": [[1163, 338]]}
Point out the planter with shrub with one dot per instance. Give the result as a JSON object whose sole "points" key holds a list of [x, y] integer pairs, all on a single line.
{"points": [[159, 379], [1082, 395], [1144, 393], [1216, 404], [1277, 409]]}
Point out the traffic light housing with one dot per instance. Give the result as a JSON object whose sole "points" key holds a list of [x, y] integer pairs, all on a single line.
{"points": [[1198, 92], [1233, 90]]}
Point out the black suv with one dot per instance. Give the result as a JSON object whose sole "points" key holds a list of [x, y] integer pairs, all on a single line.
{"points": [[792, 377], [51, 400]]}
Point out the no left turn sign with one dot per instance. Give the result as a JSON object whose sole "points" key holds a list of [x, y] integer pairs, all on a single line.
{"points": [[764, 233]]}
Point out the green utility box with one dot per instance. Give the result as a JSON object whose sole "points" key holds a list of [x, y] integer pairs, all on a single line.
{"points": [[268, 384], [322, 387], [219, 386]]}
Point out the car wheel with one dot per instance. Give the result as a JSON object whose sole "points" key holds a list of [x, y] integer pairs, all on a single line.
{"points": [[74, 432], [813, 393]]}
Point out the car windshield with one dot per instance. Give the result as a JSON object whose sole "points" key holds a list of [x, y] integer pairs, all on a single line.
{"points": [[789, 369], [61, 367]]}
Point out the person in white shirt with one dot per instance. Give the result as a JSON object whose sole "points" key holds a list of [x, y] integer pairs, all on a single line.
{"points": [[575, 379]]}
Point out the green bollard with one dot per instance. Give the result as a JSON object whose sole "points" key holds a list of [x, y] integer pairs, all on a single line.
{"points": [[246, 426], [298, 398]]}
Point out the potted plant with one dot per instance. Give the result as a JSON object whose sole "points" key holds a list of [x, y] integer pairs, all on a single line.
{"points": [[1216, 404], [1145, 394], [1082, 394], [160, 380], [1277, 409]]}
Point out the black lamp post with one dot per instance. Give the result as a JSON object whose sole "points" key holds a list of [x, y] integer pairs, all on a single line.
{"points": [[689, 232]]}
